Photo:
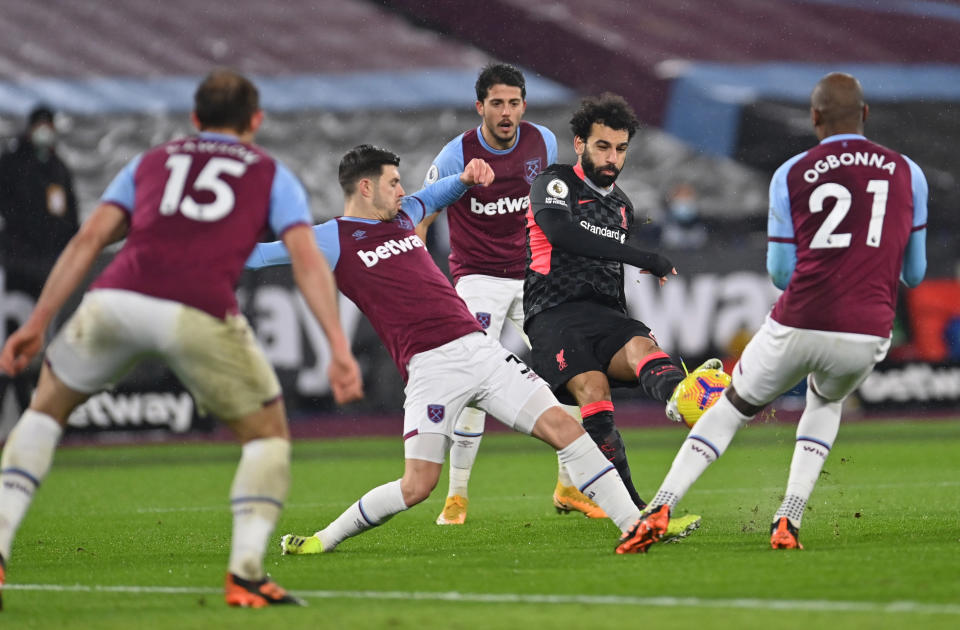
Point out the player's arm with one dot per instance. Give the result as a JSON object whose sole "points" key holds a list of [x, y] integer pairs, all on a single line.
{"points": [[781, 242], [424, 225], [915, 256], [316, 283], [447, 190], [448, 162], [107, 224], [552, 214]]}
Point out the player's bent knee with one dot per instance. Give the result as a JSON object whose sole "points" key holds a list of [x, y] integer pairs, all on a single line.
{"points": [[741, 405], [420, 477], [270, 421], [557, 428]]}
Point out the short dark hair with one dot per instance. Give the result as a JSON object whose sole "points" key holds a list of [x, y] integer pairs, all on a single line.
{"points": [[607, 109], [362, 161], [41, 113], [226, 99], [497, 73]]}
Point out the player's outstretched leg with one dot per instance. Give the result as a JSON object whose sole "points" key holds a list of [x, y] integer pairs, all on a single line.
{"points": [[422, 466], [705, 443], [374, 508], [463, 453]]}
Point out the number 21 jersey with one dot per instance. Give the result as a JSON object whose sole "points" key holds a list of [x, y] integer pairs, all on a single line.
{"points": [[849, 206]]}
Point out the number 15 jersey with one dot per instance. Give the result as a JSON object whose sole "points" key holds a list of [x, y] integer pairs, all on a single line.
{"points": [[849, 206], [197, 206]]}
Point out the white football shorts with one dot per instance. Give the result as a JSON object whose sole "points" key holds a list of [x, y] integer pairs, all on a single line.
{"points": [[474, 371], [492, 301], [218, 360], [778, 357]]}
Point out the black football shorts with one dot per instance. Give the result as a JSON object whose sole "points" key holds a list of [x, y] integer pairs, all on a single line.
{"points": [[579, 337]]}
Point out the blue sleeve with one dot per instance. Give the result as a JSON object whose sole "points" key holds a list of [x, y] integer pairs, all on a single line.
{"points": [[448, 162], [288, 201], [274, 254], [550, 140], [781, 260], [779, 220], [781, 240], [121, 190], [433, 197], [915, 257]]}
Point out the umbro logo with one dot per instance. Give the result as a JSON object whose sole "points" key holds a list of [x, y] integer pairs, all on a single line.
{"points": [[359, 234]]}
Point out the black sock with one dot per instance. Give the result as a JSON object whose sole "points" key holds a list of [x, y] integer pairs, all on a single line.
{"points": [[659, 376], [603, 431]]}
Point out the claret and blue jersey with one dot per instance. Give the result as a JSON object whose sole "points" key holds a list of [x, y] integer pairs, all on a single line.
{"points": [[196, 207], [487, 235], [847, 220], [384, 268]]}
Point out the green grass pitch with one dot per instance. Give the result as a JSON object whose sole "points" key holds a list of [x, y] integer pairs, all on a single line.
{"points": [[138, 537]]}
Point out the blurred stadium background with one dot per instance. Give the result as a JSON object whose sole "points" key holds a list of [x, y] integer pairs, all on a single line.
{"points": [[721, 87]]}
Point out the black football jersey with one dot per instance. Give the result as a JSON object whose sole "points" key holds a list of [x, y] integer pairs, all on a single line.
{"points": [[555, 276]]}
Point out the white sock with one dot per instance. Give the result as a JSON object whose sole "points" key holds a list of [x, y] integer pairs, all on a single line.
{"points": [[598, 479], [815, 436], [466, 441], [563, 477], [707, 441], [24, 464], [374, 508], [259, 489]]}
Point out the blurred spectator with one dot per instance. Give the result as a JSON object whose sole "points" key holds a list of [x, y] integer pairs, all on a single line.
{"points": [[39, 212], [682, 228]]}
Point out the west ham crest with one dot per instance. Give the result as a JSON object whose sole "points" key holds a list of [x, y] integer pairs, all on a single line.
{"points": [[483, 319], [435, 413], [531, 168]]}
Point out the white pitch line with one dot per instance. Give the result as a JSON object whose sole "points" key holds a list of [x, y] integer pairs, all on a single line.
{"points": [[811, 605]]}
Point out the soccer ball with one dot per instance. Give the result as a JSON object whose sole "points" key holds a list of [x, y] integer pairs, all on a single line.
{"points": [[698, 391]]}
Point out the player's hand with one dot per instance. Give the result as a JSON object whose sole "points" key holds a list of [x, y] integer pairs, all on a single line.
{"points": [[662, 279], [477, 173], [19, 349], [345, 380]]}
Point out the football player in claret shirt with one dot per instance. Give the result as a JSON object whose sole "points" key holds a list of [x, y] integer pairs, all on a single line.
{"points": [[191, 211], [582, 339], [847, 222], [487, 252], [442, 352]]}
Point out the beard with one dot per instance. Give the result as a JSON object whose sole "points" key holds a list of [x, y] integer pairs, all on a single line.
{"points": [[600, 178]]}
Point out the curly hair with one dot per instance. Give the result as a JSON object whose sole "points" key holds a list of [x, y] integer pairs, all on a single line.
{"points": [[607, 109]]}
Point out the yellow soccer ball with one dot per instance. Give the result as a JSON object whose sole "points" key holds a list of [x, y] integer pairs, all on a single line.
{"points": [[698, 391]]}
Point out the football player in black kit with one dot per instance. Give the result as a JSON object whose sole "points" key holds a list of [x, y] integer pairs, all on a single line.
{"points": [[578, 229]]}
